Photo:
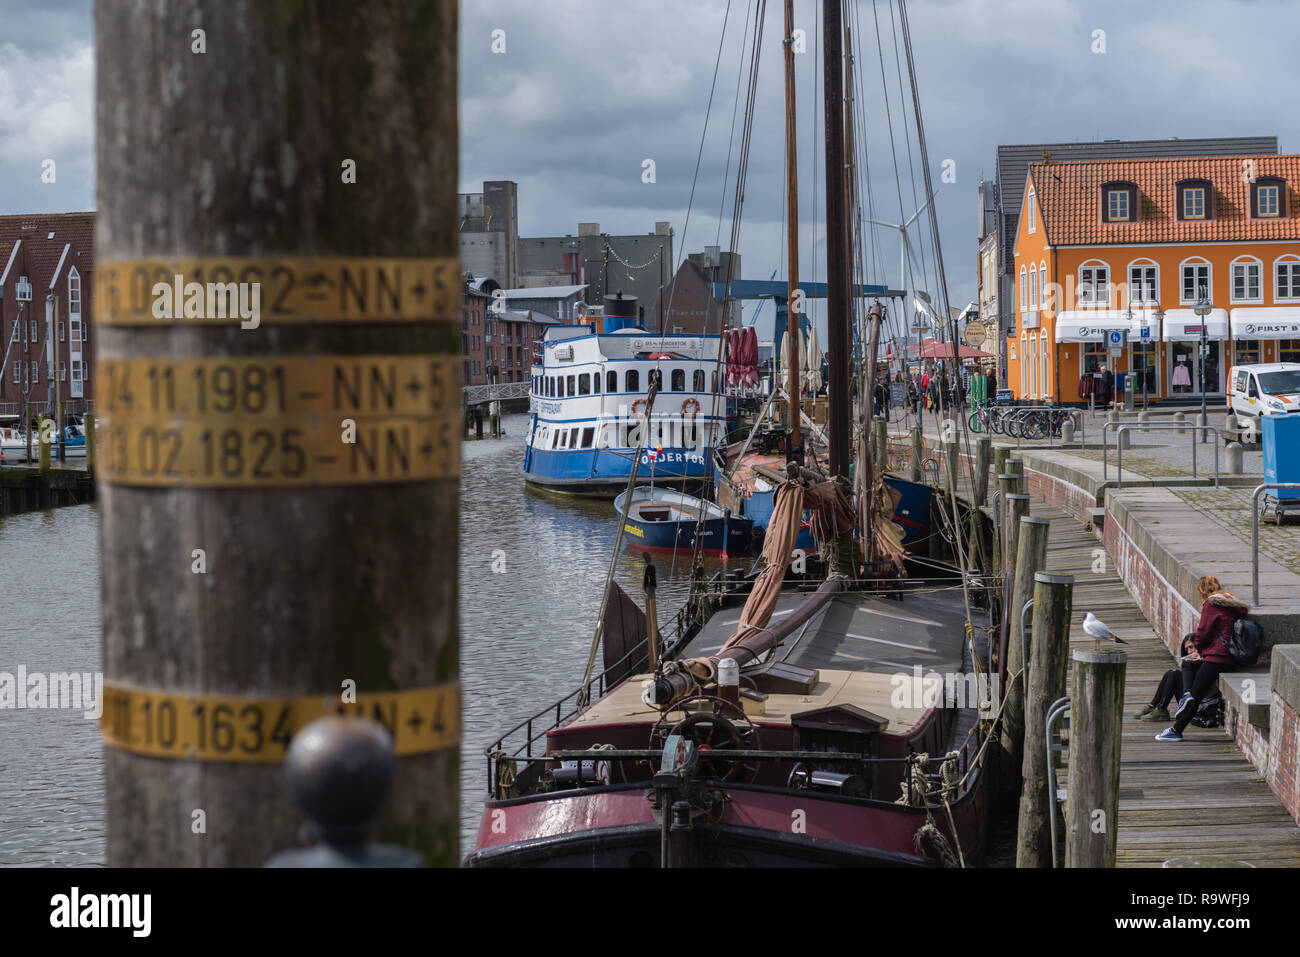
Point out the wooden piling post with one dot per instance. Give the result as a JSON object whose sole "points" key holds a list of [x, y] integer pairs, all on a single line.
{"points": [[43, 435], [1031, 557], [1096, 722], [951, 453], [1000, 455], [918, 453], [90, 442], [1016, 467], [1006, 486], [1017, 508], [983, 452], [1048, 657], [294, 562], [880, 444]]}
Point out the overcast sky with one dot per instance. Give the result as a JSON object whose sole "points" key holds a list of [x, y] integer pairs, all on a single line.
{"points": [[587, 90]]}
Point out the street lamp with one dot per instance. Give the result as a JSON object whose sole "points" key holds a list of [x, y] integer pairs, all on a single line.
{"points": [[1202, 310]]}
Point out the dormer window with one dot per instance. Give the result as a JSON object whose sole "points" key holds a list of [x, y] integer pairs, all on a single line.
{"points": [[1268, 198], [1195, 199], [1118, 203]]}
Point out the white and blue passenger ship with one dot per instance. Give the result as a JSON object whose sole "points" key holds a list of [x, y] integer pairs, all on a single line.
{"points": [[588, 404]]}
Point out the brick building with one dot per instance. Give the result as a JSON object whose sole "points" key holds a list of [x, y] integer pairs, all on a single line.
{"points": [[500, 339], [47, 263]]}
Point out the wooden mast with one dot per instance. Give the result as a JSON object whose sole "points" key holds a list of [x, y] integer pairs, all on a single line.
{"points": [[792, 239], [836, 239]]}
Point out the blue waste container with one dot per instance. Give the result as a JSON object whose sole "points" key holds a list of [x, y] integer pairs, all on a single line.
{"points": [[1281, 437]]}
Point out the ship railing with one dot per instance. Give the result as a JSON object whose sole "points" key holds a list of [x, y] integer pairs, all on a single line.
{"points": [[536, 727]]}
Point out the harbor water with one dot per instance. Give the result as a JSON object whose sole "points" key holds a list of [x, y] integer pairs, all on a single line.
{"points": [[532, 568]]}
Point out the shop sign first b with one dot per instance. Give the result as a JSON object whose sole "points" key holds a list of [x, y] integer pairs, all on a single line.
{"points": [[277, 290]]}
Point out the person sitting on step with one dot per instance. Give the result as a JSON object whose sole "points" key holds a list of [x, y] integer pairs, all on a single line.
{"points": [[1175, 683], [1219, 612]]}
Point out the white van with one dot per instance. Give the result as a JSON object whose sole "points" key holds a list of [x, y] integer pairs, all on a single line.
{"points": [[1269, 389]]}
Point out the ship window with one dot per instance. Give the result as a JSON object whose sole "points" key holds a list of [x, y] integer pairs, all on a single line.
{"points": [[595, 382], [570, 387], [555, 440], [573, 438], [584, 384], [587, 436], [697, 380], [679, 380], [611, 381], [633, 381], [713, 377], [655, 380]]}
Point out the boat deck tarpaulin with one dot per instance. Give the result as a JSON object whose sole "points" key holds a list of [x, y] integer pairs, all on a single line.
{"points": [[859, 632]]}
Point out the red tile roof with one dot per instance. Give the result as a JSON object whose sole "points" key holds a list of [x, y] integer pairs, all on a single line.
{"points": [[43, 253], [1069, 200]]}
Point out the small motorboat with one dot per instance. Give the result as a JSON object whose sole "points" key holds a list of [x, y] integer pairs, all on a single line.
{"points": [[665, 519], [13, 443]]}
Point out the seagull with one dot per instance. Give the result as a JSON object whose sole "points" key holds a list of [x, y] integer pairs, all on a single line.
{"points": [[1096, 629]]}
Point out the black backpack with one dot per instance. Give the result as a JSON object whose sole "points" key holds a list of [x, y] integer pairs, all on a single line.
{"points": [[1245, 641], [1209, 713]]}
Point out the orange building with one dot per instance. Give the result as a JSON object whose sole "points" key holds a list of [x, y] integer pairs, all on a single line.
{"points": [[1113, 258]]}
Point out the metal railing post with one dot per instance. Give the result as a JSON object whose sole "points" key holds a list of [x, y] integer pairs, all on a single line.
{"points": [[1254, 533], [1058, 708]]}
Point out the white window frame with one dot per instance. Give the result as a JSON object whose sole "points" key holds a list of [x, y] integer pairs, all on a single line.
{"points": [[1292, 260], [1033, 366], [1030, 216], [1195, 262], [1245, 263], [1042, 285], [63, 370], [1043, 364], [1090, 268], [1024, 289], [1033, 288], [1024, 365], [35, 331], [1111, 206], [18, 371], [1144, 265], [1275, 191], [74, 292]]}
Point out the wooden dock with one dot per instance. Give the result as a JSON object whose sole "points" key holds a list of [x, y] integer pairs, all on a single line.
{"points": [[1196, 798]]}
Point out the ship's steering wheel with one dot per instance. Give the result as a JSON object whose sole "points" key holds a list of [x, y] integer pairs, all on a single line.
{"points": [[711, 729]]}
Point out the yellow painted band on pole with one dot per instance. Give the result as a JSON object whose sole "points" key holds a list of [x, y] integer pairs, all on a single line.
{"points": [[250, 291], [258, 730], [243, 452], [279, 386]]}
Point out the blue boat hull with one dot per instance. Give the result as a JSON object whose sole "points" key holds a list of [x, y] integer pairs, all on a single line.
{"points": [[605, 471]]}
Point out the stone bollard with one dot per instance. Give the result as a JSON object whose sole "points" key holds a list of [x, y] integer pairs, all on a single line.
{"points": [[1180, 419], [339, 770], [1144, 418], [1067, 431], [1235, 459]]}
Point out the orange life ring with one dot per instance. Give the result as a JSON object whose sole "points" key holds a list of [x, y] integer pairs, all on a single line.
{"points": [[691, 406], [635, 404]]}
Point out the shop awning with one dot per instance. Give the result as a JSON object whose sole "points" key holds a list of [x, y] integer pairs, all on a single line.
{"points": [[1184, 325], [1266, 322], [1091, 325]]}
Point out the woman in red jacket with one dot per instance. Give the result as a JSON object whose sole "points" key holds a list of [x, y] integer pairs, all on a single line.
{"points": [[1219, 612]]}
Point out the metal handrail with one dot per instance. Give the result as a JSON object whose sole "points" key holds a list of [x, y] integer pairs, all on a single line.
{"points": [[1254, 532], [1147, 427], [1059, 707]]}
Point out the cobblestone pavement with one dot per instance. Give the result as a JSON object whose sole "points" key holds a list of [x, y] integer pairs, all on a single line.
{"points": [[1229, 509]]}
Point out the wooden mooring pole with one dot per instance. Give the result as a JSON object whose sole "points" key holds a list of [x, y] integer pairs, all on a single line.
{"points": [[983, 453], [918, 453], [1096, 723], [1031, 557], [1017, 507], [1048, 655], [279, 474]]}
